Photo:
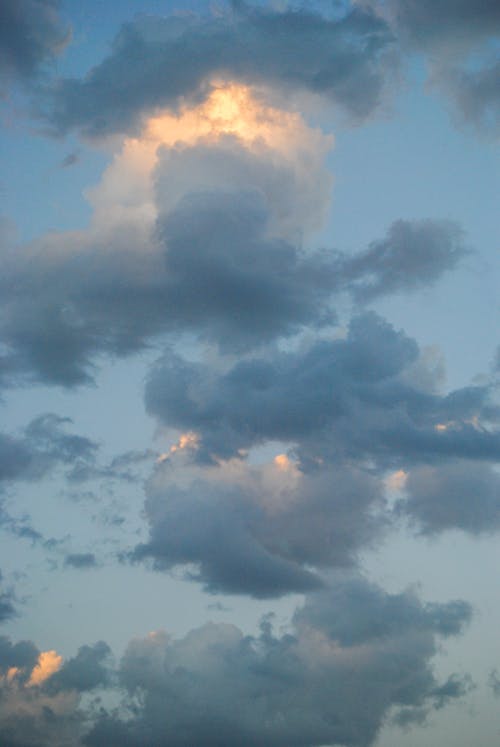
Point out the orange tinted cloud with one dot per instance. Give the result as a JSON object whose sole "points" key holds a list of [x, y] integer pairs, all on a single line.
{"points": [[49, 662]]}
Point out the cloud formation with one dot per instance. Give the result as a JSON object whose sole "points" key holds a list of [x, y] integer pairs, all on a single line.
{"points": [[261, 532], [201, 225], [309, 686], [166, 60], [350, 398]]}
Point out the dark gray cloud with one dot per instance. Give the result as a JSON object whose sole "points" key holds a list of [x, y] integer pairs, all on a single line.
{"points": [[156, 62], [43, 446], [80, 560], [22, 655], [459, 39], [342, 399], [7, 599], [253, 538], [460, 495], [88, 670], [31, 34], [297, 689]]}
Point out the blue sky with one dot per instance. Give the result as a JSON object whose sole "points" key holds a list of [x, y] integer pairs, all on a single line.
{"points": [[249, 487]]}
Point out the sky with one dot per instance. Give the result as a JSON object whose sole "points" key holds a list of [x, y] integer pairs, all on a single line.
{"points": [[249, 372]]}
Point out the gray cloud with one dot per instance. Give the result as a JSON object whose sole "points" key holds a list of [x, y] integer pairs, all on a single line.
{"points": [[23, 654], [80, 560], [89, 669], [340, 399], [457, 495], [412, 255], [458, 38], [7, 599], [458, 22], [31, 34], [476, 96], [298, 689], [250, 538], [213, 268], [43, 446], [164, 60]]}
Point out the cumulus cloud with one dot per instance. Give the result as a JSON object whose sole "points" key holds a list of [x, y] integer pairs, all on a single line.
{"points": [[201, 225], [217, 686], [31, 34], [168, 59], [256, 532]]}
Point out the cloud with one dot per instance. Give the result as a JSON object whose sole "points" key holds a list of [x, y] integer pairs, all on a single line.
{"points": [[219, 687], [166, 60], [201, 225], [89, 669], [494, 682], [459, 41], [40, 696], [414, 254], [260, 532], [7, 599], [80, 560], [460, 495], [352, 398], [31, 34], [43, 446], [454, 21]]}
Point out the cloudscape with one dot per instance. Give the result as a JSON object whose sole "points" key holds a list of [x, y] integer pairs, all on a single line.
{"points": [[249, 370]]}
